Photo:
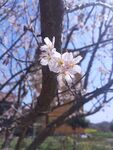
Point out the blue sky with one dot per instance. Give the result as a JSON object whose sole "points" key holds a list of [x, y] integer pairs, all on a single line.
{"points": [[105, 114]]}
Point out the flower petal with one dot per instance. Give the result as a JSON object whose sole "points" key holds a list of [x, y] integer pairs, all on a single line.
{"points": [[47, 41], [65, 56], [77, 59], [76, 69], [70, 56], [53, 66], [53, 41], [44, 48], [76, 53], [68, 78], [56, 54], [44, 62]]}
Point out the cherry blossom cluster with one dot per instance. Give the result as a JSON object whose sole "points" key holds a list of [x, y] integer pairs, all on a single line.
{"points": [[65, 65]]}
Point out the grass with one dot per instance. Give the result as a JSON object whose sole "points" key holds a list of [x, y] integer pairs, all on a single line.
{"points": [[99, 141], [66, 143], [103, 134]]}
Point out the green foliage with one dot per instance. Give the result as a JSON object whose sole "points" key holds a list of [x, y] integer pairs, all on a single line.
{"points": [[66, 143], [50, 144], [75, 122], [88, 146], [100, 134], [90, 131]]}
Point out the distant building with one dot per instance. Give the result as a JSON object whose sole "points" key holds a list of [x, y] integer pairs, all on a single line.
{"points": [[64, 129]]}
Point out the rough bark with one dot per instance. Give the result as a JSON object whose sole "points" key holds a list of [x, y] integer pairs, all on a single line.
{"points": [[51, 20], [51, 12], [18, 144]]}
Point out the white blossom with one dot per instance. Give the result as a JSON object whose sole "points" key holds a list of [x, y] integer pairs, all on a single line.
{"points": [[48, 52], [66, 66], [48, 46], [63, 64], [46, 57]]}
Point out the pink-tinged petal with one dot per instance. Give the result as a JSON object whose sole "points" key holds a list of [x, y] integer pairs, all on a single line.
{"points": [[53, 41], [72, 76], [53, 49], [52, 66], [68, 78], [70, 56], [47, 41], [44, 48], [56, 54], [53, 69], [59, 77], [76, 69], [77, 59], [60, 80], [44, 62], [76, 53], [65, 56]]}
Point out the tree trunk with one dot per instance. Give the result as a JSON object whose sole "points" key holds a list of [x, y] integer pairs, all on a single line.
{"points": [[51, 12], [51, 20], [20, 139]]}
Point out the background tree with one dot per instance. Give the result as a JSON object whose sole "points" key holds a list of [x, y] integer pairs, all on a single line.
{"points": [[78, 26], [111, 126], [75, 122]]}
